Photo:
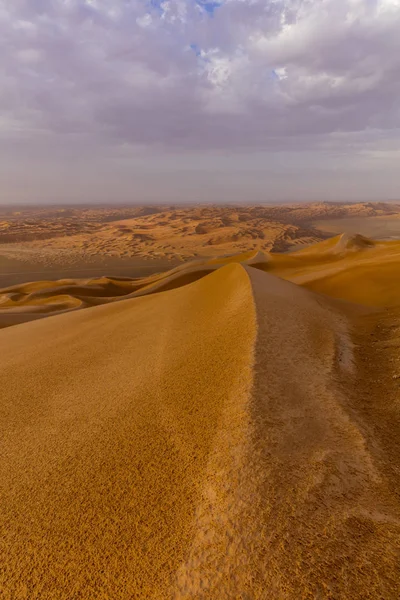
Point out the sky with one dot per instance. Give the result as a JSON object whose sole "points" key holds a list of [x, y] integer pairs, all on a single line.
{"points": [[199, 100]]}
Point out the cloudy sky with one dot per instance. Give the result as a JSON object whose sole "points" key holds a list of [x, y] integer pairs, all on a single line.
{"points": [[199, 100]]}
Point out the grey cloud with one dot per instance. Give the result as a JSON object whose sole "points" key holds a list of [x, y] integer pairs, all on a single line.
{"points": [[269, 74]]}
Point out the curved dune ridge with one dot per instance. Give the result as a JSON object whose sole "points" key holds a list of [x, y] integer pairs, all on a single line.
{"points": [[235, 436], [28, 301], [353, 268]]}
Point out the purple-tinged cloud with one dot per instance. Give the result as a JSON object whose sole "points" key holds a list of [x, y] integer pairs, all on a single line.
{"points": [[199, 74]]}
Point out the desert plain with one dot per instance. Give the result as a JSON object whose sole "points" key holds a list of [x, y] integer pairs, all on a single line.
{"points": [[200, 402]]}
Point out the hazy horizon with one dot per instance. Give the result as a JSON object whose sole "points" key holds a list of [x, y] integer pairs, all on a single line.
{"points": [[199, 101], [185, 204]]}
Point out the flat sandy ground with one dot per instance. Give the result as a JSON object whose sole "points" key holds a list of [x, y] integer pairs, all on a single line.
{"points": [[14, 271], [379, 228]]}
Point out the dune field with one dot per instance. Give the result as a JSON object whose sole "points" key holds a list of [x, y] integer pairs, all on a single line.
{"points": [[228, 429], [48, 236]]}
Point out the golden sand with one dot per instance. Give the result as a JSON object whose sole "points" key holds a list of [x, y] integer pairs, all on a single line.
{"points": [[351, 268], [82, 234], [214, 432]]}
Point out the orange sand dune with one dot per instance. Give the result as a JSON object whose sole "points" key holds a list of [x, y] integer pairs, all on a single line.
{"points": [[82, 234], [48, 297], [226, 434], [348, 267]]}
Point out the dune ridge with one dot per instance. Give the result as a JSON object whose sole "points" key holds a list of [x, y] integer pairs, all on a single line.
{"points": [[351, 268], [209, 440], [49, 297]]}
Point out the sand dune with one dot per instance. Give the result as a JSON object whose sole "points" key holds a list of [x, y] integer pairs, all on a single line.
{"points": [[339, 245], [352, 268], [115, 430], [213, 432], [47, 297], [81, 235]]}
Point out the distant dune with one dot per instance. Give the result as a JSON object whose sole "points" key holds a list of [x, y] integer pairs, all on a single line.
{"points": [[212, 432], [79, 235]]}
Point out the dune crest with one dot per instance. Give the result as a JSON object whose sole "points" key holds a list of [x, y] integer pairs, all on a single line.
{"points": [[339, 245], [27, 301], [204, 433], [110, 431]]}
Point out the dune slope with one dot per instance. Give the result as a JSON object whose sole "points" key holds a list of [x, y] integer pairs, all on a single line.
{"points": [[28, 301], [329, 515], [351, 268], [210, 441], [110, 418]]}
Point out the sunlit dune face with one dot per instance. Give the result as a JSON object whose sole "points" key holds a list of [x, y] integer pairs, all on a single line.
{"points": [[207, 432], [348, 267], [214, 430]]}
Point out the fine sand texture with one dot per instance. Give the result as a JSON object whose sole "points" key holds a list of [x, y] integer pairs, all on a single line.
{"points": [[111, 436], [213, 432]]}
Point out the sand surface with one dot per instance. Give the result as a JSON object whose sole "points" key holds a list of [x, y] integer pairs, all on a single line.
{"points": [[213, 432], [15, 271], [352, 268], [376, 227], [46, 237]]}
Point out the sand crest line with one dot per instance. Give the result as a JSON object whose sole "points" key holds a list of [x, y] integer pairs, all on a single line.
{"points": [[222, 529], [209, 441]]}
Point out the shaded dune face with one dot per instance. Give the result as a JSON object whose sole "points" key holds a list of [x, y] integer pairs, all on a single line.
{"points": [[329, 523], [207, 437]]}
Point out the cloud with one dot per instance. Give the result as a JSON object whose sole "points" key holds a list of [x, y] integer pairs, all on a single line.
{"points": [[197, 74]]}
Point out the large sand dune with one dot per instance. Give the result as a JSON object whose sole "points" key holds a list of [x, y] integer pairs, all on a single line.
{"points": [[213, 432]]}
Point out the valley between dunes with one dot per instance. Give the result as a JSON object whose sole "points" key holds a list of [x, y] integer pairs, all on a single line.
{"points": [[229, 429]]}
